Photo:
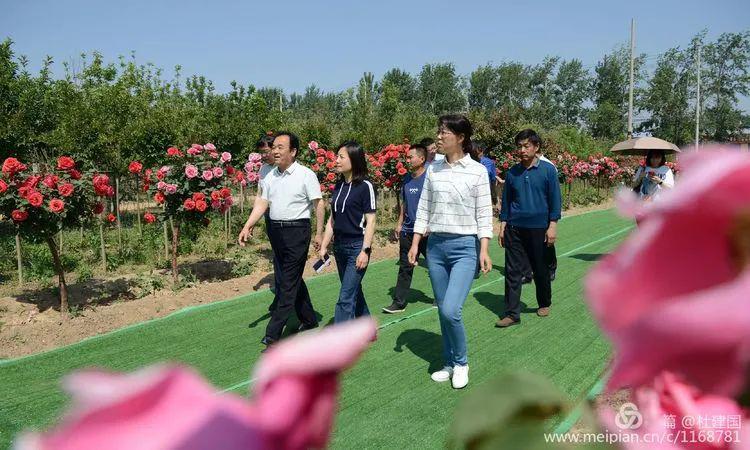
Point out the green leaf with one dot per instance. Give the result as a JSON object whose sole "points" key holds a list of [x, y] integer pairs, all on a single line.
{"points": [[512, 411]]}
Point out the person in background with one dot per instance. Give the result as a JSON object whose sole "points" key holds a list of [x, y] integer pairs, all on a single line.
{"points": [[411, 191], [264, 146], [456, 208], [528, 223], [351, 225], [432, 153], [654, 178], [487, 162], [291, 191], [550, 253]]}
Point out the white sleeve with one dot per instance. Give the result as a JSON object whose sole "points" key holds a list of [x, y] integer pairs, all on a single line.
{"points": [[263, 186], [421, 222], [668, 179], [312, 186]]}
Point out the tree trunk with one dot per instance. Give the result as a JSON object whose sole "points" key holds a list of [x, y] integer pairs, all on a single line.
{"points": [[61, 278], [117, 212], [242, 199], [175, 243], [138, 207], [19, 260], [103, 249], [166, 242]]}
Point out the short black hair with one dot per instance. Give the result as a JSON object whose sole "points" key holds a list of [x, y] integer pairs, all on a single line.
{"points": [[529, 134], [359, 161], [264, 141], [480, 147], [293, 139], [426, 142], [421, 149]]}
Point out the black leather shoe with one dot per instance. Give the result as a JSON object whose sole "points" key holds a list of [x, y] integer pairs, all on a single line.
{"points": [[304, 327], [268, 342]]}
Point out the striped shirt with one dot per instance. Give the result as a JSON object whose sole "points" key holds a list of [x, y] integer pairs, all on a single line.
{"points": [[455, 199]]}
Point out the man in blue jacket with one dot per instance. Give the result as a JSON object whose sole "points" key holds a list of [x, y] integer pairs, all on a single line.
{"points": [[528, 224]]}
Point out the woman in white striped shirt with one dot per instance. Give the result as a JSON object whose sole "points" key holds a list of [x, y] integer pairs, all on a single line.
{"points": [[456, 208]]}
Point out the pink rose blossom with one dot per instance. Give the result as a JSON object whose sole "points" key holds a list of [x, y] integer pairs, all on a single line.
{"points": [[218, 172], [208, 175], [192, 151], [255, 157], [210, 147], [664, 311], [167, 407], [214, 155], [669, 396], [252, 177], [171, 189], [216, 204], [228, 201], [226, 157], [191, 171], [312, 145], [249, 166], [161, 185]]}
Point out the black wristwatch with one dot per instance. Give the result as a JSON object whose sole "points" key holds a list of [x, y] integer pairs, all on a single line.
{"points": [[367, 251]]}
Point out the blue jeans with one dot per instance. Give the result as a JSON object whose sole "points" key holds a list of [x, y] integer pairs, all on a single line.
{"points": [[351, 302], [452, 263]]}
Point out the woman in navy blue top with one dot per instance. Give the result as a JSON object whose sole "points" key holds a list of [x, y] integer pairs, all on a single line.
{"points": [[352, 227]]}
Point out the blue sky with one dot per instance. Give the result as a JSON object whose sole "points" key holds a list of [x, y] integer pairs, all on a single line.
{"points": [[292, 44]]}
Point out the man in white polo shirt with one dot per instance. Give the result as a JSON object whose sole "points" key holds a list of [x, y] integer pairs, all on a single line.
{"points": [[291, 191]]}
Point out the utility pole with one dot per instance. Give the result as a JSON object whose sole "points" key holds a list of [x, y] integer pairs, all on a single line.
{"points": [[698, 101], [632, 64]]}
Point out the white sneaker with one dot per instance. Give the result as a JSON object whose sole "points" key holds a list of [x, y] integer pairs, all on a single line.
{"points": [[460, 377], [442, 375]]}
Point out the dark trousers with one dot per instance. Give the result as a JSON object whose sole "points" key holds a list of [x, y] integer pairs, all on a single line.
{"points": [[550, 257], [276, 270], [406, 270], [290, 242], [520, 243]]}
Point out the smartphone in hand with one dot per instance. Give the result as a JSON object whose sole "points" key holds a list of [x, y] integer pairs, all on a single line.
{"points": [[321, 264]]}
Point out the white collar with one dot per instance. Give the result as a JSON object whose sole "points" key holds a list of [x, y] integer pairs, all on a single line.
{"points": [[463, 161], [290, 170]]}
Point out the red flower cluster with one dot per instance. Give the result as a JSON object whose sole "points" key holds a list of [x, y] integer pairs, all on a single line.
{"points": [[102, 187], [41, 202], [135, 167], [194, 183], [11, 166], [323, 163], [389, 166]]}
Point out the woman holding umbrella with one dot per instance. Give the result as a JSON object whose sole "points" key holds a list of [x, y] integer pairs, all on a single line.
{"points": [[653, 178]]}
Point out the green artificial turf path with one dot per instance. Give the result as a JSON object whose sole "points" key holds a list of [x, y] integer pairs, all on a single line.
{"points": [[388, 399]]}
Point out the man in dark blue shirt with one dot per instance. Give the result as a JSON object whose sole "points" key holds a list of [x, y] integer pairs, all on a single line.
{"points": [[491, 171], [528, 223], [410, 193]]}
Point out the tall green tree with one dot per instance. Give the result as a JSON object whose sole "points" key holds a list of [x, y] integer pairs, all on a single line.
{"points": [[726, 77], [441, 89]]}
